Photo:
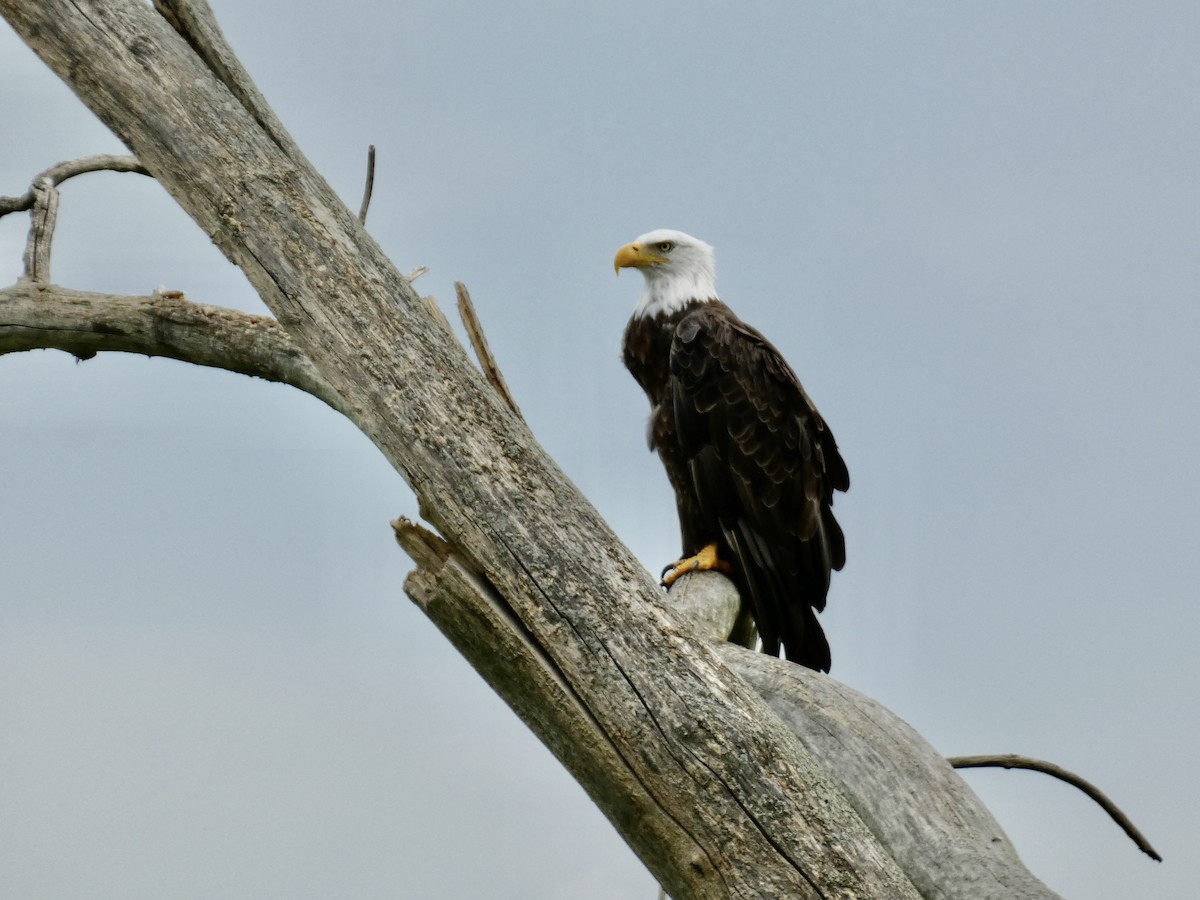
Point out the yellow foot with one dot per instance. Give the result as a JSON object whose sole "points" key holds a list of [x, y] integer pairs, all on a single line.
{"points": [[704, 561]]}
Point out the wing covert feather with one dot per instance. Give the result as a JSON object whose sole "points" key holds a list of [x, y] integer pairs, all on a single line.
{"points": [[764, 467]]}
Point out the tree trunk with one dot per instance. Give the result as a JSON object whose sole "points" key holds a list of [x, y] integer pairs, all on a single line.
{"points": [[712, 790]]}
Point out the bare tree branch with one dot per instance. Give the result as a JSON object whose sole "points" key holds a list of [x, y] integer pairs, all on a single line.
{"points": [[711, 826], [1013, 761], [926, 817], [194, 21], [484, 483], [489, 634], [60, 172], [39, 316], [708, 785], [42, 198], [483, 352], [369, 187], [711, 603], [40, 241]]}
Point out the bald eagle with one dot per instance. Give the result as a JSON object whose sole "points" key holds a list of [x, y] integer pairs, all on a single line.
{"points": [[752, 463]]}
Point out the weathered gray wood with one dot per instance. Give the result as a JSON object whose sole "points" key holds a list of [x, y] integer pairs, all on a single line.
{"points": [[83, 323], [710, 604], [42, 198], [60, 172], [924, 814], [749, 801], [900, 786], [712, 790], [482, 626]]}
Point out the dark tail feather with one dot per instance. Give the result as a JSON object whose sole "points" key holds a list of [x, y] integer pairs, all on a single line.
{"points": [[782, 614], [805, 642]]}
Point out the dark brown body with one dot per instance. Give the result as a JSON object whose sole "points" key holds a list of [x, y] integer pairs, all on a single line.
{"points": [[752, 463]]}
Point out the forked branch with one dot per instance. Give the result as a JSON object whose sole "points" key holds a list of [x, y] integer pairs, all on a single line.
{"points": [[60, 172], [37, 315], [42, 199], [713, 791]]}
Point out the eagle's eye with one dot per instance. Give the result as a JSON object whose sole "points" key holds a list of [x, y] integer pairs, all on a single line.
{"points": [[665, 246]]}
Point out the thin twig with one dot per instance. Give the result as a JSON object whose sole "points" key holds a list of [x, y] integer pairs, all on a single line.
{"points": [[369, 187], [42, 199], [1013, 761], [60, 172], [466, 311]]}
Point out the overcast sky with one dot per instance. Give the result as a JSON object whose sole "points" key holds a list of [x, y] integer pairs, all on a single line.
{"points": [[975, 234]]}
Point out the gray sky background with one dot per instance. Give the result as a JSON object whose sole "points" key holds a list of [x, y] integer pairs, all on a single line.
{"points": [[972, 230]]}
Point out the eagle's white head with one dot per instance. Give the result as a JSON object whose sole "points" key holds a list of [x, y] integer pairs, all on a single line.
{"points": [[678, 269]]}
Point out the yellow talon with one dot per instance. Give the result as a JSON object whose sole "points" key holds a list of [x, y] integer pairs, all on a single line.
{"points": [[704, 561]]}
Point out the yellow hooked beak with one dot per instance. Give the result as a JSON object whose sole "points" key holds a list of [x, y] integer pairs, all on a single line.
{"points": [[636, 256]]}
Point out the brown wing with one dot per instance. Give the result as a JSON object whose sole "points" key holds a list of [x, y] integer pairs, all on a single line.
{"points": [[764, 467]]}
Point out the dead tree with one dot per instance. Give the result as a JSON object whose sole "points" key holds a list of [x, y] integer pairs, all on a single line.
{"points": [[729, 774]]}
